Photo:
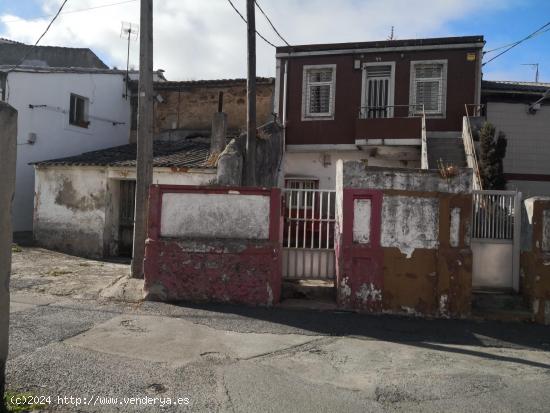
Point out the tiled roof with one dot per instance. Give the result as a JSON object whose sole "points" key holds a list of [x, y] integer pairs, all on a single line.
{"points": [[511, 86], [186, 153], [175, 85]]}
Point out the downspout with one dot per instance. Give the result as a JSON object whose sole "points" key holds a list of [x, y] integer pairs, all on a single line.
{"points": [[283, 118]]}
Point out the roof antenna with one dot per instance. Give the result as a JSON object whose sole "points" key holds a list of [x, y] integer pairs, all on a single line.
{"points": [[391, 36], [128, 31], [534, 66]]}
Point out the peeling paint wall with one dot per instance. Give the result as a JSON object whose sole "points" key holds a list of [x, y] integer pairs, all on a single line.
{"points": [[214, 244], [417, 259], [535, 258]]}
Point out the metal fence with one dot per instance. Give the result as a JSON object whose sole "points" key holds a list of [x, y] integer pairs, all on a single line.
{"points": [[494, 215], [308, 236]]}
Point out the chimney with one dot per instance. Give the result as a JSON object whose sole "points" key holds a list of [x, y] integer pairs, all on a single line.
{"points": [[219, 128]]}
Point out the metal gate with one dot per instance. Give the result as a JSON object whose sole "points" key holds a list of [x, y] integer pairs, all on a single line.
{"points": [[126, 217], [496, 220], [308, 234]]}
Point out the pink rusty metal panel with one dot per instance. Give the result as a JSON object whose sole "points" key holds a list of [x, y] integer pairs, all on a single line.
{"points": [[239, 271], [360, 268]]}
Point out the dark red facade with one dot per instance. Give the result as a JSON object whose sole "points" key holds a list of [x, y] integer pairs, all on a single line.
{"points": [[463, 84]]}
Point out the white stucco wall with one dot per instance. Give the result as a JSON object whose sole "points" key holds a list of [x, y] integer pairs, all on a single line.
{"points": [[77, 207], [310, 164], [55, 137], [528, 147]]}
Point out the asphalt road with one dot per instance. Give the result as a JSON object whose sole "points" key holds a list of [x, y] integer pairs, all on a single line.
{"points": [[237, 359]]}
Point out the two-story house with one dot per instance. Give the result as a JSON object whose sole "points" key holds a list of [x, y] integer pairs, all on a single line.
{"points": [[369, 101]]}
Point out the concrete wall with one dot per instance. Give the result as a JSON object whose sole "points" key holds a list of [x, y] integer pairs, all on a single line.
{"points": [[229, 258], [535, 257], [416, 258], [8, 155], [526, 163], [55, 136], [77, 208], [313, 165]]}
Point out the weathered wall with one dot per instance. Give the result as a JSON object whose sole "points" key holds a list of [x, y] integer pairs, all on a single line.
{"points": [[8, 155], [77, 208], [212, 263], [403, 245], [192, 105], [535, 257], [56, 138]]}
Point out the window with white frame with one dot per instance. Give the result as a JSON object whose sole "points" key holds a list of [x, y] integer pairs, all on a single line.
{"points": [[429, 87], [318, 92], [78, 111]]}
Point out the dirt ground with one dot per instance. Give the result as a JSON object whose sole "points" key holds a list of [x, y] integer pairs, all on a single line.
{"points": [[37, 270]]}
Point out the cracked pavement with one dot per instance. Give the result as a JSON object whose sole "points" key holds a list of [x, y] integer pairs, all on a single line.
{"points": [[236, 359]]}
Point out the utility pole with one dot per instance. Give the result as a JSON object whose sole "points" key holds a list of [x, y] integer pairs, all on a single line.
{"points": [[250, 158], [144, 174]]}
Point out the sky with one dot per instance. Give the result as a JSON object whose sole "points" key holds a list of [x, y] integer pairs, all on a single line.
{"points": [[206, 39]]}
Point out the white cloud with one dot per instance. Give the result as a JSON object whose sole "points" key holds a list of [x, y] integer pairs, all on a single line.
{"points": [[206, 39]]}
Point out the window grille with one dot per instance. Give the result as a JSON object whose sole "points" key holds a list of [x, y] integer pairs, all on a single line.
{"points": [[319, 83], [428, 87]]}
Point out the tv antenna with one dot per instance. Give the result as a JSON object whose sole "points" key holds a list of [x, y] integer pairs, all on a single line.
{"points": [[129, 31], [391, 36], [534, 66]]}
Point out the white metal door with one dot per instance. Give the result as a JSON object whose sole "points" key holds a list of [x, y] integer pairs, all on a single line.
{"points": [[378, 91], [308, 236], [495, 238]]}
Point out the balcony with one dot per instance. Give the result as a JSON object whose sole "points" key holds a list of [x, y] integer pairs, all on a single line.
{"points": [[376, 124]]}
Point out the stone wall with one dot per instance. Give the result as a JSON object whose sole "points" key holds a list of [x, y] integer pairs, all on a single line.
{"points": [[402, 240], [233, 255], [535, 257]]}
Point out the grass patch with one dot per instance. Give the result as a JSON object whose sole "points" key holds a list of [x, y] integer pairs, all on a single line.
{"points": [[16, 248], [56, 272], [26, 402]]}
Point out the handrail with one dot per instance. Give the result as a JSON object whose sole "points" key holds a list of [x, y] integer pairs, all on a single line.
{"points": [[363, 110], [424, 139], [470, 150]]}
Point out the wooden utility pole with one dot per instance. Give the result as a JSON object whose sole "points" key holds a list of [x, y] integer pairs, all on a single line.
{"points": [[250, 158], [144, 174]]}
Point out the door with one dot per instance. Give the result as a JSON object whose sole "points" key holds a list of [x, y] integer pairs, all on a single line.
{"points": [[126, 218], [378, 86]]}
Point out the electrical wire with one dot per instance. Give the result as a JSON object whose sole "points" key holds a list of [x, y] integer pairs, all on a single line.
{"points": [[538, 33], [73, 11], [535, 33], [244, 20], [270, 23], [40, 38]]}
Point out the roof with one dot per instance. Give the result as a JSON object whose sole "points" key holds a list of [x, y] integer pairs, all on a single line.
{"points": [[38, 69], [506, 86], [11, 53], [183, 84], [435, 41], [185, 153]]}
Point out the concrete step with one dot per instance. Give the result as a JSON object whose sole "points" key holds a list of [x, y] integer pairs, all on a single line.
{"points": [[449, 150], [501, 306]]}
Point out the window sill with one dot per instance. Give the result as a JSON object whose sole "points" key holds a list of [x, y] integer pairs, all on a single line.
{"points": [[308, 118]]}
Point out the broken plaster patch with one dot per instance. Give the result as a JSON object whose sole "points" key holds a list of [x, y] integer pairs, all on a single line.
{"points": [[444, 305], [369, 291], [269, 295], [345, 289]]}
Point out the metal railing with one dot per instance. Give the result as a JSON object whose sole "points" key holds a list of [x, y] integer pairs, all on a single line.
{"points": [[494, 214], [388, 111], [424, 145], [470, 150]]}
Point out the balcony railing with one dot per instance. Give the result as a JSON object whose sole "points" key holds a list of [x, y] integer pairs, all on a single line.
{"points": [[390, 122]]}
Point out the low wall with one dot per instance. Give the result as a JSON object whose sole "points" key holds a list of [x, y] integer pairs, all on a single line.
{"points": [[402, 240], [535, 257], [213, 244]]}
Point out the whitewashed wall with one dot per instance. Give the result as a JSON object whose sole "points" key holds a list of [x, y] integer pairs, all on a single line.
{"points": [[55, 137]]}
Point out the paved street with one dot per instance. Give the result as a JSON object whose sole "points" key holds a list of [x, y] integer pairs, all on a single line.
{"points": [[65, 342]]}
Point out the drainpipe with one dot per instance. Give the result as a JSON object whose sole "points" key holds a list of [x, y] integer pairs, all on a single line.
{"points": [[285, 88]]}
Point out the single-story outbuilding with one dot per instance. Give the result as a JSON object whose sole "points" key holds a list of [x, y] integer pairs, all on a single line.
{"points": [[84, 204]]}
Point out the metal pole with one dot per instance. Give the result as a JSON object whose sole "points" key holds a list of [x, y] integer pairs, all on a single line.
{"points": [[251, 91], [144, 174]]}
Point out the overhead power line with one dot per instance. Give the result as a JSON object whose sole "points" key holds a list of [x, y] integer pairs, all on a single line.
{"points": [[535, 33], [271, 23], [511, 44], [244, 20], [73, 11], [40, 38]]}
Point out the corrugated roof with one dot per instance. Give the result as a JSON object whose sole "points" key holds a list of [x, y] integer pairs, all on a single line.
{"points": [[434, 41], [186, 153], [513, 86]]}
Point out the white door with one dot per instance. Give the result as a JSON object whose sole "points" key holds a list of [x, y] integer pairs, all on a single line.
{"points": [[378, 85]]}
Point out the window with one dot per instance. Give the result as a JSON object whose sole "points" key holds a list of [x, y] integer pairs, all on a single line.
{"points": [[318, 92], [378, 86], [78, 112], [429, 87]]}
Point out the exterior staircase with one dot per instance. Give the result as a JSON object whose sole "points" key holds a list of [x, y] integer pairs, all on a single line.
{"points": [[449, 149], [500, 305]]}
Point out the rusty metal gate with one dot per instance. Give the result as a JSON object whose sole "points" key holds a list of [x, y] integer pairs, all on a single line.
{"points": [[308, 234], [126, 217]]}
